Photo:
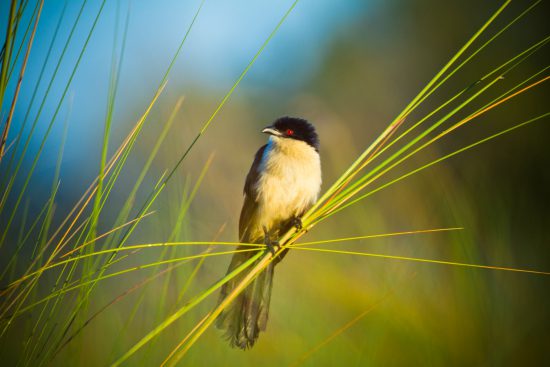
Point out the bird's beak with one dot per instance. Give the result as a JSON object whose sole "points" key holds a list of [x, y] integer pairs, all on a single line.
{"points": [[271, 131]]}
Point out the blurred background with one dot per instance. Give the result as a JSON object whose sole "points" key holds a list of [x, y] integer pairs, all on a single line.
{"points": [[350, 68]]}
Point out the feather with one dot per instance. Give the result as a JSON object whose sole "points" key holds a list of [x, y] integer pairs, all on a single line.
{"points": [[283, 182]]}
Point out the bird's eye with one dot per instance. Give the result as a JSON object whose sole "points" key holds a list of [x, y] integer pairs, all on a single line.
{"points": [[289, 132]]}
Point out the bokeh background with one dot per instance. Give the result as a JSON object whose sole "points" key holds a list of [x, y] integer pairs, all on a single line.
{"points": [[349, 67]]}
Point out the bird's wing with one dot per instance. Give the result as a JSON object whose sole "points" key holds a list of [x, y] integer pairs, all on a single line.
{"points": [[254, 172], [247, 315], [250, 196]]}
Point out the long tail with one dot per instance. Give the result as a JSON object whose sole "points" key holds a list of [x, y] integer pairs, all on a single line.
{"points": [[247, 315]]}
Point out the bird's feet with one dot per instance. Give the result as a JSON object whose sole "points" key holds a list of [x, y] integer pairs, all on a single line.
{"points": [[297, 223], [272, 246]]}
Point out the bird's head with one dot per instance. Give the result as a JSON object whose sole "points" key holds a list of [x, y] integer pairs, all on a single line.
{"points": [[294, 128]]}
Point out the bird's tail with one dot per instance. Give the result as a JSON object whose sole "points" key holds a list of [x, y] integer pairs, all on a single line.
{"points": [[246, 316]]}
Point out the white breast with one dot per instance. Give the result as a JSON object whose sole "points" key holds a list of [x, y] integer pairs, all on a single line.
{"points": [[289, 182]]}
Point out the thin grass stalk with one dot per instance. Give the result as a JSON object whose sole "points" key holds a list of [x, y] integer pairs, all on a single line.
{"points": [[13, 175], [153, 195], [373, 236], [37, 249], [112, 92], [263, 258], [44, 326], [184, 340], [36, 221], [18, 18], [20, 13], [60, 244], [77, 284], [205, 126], [18, 138], [233, 244], [540, 117], [162, 83], [364, 180], [231, 90], [11, 267], [8, 48], [156, 192], [203, 129], [24, 294], [193, 336], [127, 323], [214, 314], [406, 111], [488, 42], [188, 280], [124, 213], [86, 201], [49, 341], [529, 51], [346, 194], [181, 217], [87, 291], [18, 86], [132, 248], [376, 148], [382, 147], [97, 208], [176, 315], [43, 235], [114, 162], [33, 331], [23, 240], [126, 145], [107, 233], [483, 110], [178, 235], [196, 269], [430, 261], [50, 125], [340, 330], [115, 300], [133, 134]]}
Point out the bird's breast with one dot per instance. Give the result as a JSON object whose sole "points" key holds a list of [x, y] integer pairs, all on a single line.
{"points": [[289, 182]]}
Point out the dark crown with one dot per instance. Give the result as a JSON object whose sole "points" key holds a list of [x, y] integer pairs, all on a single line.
{"points": [[301, 130]]}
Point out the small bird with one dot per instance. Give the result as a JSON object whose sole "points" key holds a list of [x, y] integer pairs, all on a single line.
{"points": [[282, 184]]}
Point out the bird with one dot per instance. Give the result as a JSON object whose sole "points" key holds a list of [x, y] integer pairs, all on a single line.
{"points": [[284, 181]]}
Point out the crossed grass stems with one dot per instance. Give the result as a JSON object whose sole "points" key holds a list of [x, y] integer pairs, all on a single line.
{"points": [[74, 241]]}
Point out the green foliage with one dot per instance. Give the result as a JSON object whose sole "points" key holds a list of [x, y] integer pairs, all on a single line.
{"points": [[78, 283]]}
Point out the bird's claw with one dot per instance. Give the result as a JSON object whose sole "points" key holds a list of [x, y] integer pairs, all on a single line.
{"points": [[272, 246], [297, 223]]}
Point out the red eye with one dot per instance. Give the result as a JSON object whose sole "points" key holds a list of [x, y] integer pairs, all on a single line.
{"points": [[289, 132]]}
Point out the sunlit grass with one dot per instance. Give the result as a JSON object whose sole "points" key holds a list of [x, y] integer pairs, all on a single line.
{"points": [[59, 282], [329, 201]]}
